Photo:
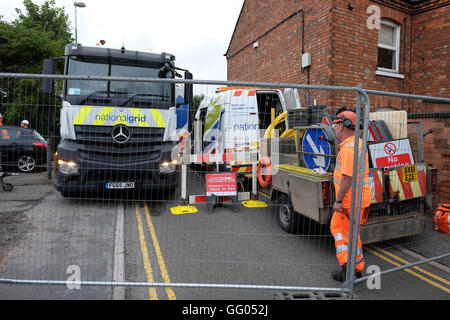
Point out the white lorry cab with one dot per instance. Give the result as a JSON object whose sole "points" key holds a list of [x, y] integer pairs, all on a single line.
{"points": [[235, 119]]}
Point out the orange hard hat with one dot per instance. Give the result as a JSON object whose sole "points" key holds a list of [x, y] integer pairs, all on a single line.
{"points": [[347, 117]]}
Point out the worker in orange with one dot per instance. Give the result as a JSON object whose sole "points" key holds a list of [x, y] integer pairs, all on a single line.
{"points": [[3, 133], [344, 128]]}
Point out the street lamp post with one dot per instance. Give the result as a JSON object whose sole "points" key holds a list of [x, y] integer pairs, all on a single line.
{"points": [[77, 5]]}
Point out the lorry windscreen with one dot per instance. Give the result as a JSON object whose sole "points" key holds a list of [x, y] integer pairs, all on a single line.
{"points": [[149, 94]]}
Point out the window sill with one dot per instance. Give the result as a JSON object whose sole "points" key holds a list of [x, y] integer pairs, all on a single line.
{"points": [[389, 74]]}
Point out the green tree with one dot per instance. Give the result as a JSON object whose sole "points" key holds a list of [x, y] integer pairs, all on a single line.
{"points": [[195, 104], [38, 33]]}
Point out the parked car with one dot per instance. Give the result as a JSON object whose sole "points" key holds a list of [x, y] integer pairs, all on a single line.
{"points": [[21, 149]]}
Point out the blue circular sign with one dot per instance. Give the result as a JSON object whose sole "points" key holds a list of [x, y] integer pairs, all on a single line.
{"points": [[316, 141]]}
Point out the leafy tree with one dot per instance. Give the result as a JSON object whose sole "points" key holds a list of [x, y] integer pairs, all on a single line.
{"points": [[195, 104], [38, 33]]}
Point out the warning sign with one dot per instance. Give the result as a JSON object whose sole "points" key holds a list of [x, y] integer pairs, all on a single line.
{"points": [[221, 184], [394, 153]]}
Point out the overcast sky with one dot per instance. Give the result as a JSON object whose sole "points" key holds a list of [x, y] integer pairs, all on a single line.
{"points": [[197, 32]]}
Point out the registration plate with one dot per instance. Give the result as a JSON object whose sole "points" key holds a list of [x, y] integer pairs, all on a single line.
{"points": [[409, 173], [120, 185]]}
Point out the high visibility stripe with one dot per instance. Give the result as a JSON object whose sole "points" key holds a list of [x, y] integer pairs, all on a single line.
{"points": [[82, 115], [341, 248], [137, 113], [338, 237], [241, 169], [407, 190], [104, 112], [375, 179], [415, 188], [158, 118], [422, 178], [244, 93]]}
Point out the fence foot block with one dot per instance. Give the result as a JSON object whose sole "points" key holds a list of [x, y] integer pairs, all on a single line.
{"points": [[183, 209], [311, 295], [254, 204]]}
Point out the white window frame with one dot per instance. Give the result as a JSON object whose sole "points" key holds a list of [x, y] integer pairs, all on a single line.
{"points": [[396, 49]]}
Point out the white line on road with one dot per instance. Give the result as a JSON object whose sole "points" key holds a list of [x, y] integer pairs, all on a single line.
{"points": [[119, 255]]}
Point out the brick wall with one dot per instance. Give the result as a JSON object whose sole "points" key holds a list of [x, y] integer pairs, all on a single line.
{"points": [[279, 55]]}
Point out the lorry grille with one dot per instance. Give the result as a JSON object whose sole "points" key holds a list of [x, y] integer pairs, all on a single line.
{"points": [[98, 144]]}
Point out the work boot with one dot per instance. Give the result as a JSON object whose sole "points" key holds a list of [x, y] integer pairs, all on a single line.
{"points": [[339, 275]]}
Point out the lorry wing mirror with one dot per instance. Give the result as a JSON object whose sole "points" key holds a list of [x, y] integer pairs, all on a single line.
{"points": [[48, 68], [188, 88], [168, 67]]}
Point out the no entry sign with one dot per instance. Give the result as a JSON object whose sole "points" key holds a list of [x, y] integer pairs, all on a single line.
{"points": [[394, 153], [221, 184]]}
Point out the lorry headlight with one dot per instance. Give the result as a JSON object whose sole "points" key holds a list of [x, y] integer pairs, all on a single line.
{"points": [[67, 167], [167, 167]]}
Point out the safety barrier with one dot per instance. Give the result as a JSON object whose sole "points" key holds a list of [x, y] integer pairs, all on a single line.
{"points": [[75, 241]]}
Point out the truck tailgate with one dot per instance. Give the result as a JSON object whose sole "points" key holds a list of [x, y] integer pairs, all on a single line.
{"points": [[392, 227]]}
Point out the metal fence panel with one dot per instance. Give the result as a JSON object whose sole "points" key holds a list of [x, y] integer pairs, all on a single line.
{"points": [[94, 235]]}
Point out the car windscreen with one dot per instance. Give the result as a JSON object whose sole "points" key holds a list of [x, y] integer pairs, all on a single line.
{"points": [[37, 136], [126, 91]]}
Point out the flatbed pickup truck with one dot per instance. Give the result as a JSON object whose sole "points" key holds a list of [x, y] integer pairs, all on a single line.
{"points": [[397, 208]]}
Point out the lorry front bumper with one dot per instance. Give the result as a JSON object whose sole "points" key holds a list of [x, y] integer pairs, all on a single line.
{"points": [[96, 181], [92, 175]]}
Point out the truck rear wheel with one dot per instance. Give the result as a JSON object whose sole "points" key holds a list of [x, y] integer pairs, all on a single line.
{"points": [[287, 218]]}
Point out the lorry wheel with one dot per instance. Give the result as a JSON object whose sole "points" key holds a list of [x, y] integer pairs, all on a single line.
{"points": [[287, 218]]}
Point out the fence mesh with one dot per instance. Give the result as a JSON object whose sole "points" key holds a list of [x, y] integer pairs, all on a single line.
{"points": [[100, 175]]}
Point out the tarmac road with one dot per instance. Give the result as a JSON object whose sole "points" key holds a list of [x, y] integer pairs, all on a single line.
{"points": [[44, 236]]}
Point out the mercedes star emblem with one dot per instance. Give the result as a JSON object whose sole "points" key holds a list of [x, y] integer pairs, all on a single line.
{"points": [[121, 133]]}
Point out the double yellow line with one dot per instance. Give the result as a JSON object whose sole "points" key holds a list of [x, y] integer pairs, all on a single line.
{"points": [[386, 256], [145, 255]]}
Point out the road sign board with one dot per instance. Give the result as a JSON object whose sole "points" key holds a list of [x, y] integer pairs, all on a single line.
{"points": [[393, 153], [221, 184], [316, 141]]}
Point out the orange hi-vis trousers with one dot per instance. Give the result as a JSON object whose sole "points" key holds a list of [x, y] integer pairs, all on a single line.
{"points": [[340, 223]]}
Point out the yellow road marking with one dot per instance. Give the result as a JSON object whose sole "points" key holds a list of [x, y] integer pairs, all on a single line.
{"points": [[147, 266], [433, 283], [162, 265], [415, 267]]}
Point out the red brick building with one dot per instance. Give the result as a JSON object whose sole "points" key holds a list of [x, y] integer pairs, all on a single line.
{"points": [[389, 45]]}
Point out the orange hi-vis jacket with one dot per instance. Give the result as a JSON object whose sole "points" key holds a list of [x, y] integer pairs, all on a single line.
{"points": [[344, 166]]}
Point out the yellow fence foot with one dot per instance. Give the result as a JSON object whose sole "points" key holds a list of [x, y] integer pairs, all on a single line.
{"points": [[254, 204], [183, 209]]}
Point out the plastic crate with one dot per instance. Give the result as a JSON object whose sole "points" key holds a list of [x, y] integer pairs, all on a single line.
{"points": [[298, 117], [315, 114]]}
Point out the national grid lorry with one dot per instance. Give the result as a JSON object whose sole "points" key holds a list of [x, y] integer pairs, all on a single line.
{"points": [[118, 135]]}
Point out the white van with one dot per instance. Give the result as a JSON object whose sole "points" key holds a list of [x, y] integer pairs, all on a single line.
{"points": [[232, 118]]}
